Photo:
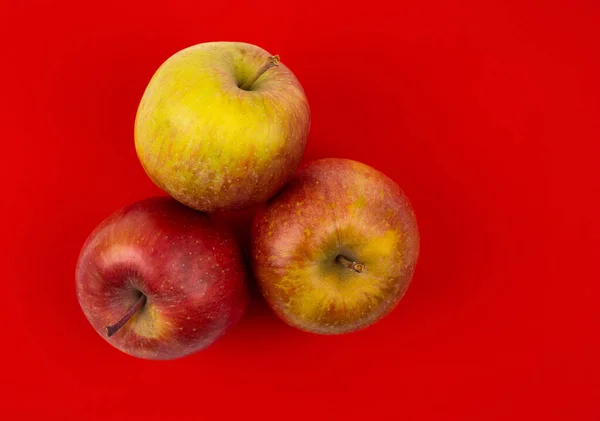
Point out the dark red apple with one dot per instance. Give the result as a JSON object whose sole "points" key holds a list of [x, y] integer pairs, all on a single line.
{"points": [[336, 250], [158, 280]]}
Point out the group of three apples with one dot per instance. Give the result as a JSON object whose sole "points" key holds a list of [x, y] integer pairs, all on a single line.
{"points": [[223, 126]]}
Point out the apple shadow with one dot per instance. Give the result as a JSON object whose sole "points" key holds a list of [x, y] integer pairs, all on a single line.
{"points": [[240, 223]]}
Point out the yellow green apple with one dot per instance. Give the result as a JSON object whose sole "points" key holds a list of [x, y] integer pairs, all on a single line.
{"points": [[222, 125], [336, 250]]}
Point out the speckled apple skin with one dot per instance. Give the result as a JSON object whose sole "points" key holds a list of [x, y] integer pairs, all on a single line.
{"points": [[332, 207], [189, 268], [212, 145]]}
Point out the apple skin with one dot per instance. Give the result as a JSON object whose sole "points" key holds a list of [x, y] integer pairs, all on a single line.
{"points": [[335, 207], [189, 268], [212, 145]]}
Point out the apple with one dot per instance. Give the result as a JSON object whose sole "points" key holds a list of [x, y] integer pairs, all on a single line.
{"points": [[336, 250], [222, 126], [158, 280]]}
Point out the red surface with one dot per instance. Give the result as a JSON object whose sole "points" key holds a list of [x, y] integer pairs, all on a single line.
{"points": [[486, 113]]}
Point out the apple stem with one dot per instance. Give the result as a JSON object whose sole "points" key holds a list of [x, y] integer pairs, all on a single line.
{"points": [[355, 266], [112, 329], [272, 61]]}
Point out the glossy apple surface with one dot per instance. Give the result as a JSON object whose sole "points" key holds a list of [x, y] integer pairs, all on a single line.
{"points": [[186, 272], [215, 141], [336, 250]]}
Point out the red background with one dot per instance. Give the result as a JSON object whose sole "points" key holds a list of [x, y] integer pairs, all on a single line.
{"points": [[485, 112]]}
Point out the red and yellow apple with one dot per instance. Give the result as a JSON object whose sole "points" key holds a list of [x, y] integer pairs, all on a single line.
{"points": [[222, 125], [336, 250], [158, 280]]}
